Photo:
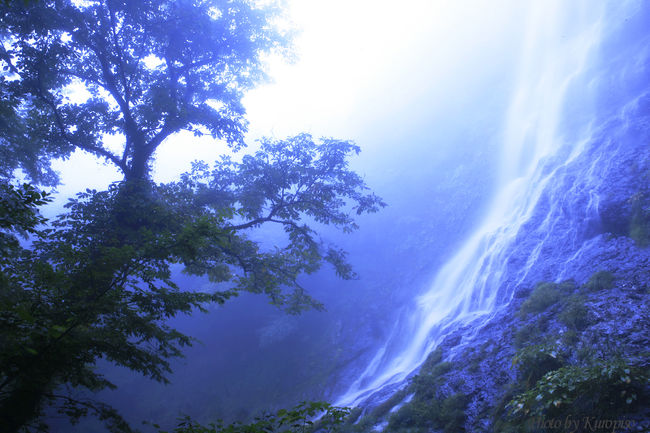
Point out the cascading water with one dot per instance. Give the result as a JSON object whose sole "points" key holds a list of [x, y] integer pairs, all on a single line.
{"points": [[548, 126]]}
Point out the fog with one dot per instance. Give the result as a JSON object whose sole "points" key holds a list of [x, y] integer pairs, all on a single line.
{"points": [[423, 87]]}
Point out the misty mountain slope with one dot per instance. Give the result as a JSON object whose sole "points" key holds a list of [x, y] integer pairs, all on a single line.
{"points": [[544, 312], [577, 344]]}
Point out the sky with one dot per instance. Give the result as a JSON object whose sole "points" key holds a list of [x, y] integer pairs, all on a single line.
{"points": [[408, 81], [373, 71]]}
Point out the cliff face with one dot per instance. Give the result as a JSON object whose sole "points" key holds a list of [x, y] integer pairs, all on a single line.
{"points": [[592, 315], [601, 313], [569, 343]]}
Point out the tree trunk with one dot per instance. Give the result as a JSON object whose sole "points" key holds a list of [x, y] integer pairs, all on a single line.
{"points": [[23, 403], [138, 169]]}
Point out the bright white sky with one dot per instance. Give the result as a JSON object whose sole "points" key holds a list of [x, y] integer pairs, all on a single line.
{"points": [[362, 64]]}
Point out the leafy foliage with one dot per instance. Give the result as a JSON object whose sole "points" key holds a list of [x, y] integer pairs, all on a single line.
{"points": [[149, 70], [430, 407], [608, 388], [529, 332], [90, 289], [421, 406], [98, 283], [292, 183], [601, 280], [535, 361], [573, 375], [426, 384], [19, 213], [296, 420], [575, 314], [543, 296], [447, 415]]}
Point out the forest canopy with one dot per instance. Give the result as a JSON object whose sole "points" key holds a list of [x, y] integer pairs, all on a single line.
{"points": [[97, 282]]}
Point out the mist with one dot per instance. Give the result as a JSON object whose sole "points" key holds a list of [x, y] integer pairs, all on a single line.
{"points": [[472, 118]]}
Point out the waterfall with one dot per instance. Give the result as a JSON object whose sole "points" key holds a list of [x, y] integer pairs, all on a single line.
{"points": [[547, 126]]}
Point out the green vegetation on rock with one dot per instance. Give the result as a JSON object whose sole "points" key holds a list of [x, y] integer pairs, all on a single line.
{"points": [[608, 388], [601, 280], [430, 407], [447, 415], [535, 361], [557, 370], [575, 314], [640, 221], [544, 295], [565, 376]]}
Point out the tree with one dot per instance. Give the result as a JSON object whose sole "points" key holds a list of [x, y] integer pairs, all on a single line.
{"points": [[97, 283], [150, 69]]}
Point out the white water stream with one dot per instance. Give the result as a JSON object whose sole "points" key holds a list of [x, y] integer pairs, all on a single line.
{"points": [[560, 45]]}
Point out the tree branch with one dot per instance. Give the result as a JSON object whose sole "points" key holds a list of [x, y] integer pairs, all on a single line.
{"points": [[60, 124], [258, 221], [119, 55], [4, 55], [131, 127]]}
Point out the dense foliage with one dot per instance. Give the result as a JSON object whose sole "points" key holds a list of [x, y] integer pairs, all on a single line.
{"points": [[97, 283], [606, 388], [78, 71], [296, 420]]}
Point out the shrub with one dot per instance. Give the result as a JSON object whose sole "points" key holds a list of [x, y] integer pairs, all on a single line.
{"points": [[362, 425], [607, 388], [639, 233], [425, 385], [640, 222], [353, 416], [574, 314], [447, 415], [543, 296], [567, 286], [474, 365], [533, 362], [586, 353], [356, 423], [452, 413], [411, 415], [601, 280], [432, 360], [380, 411], [529, 332], [570, 338], [428, 409]]}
